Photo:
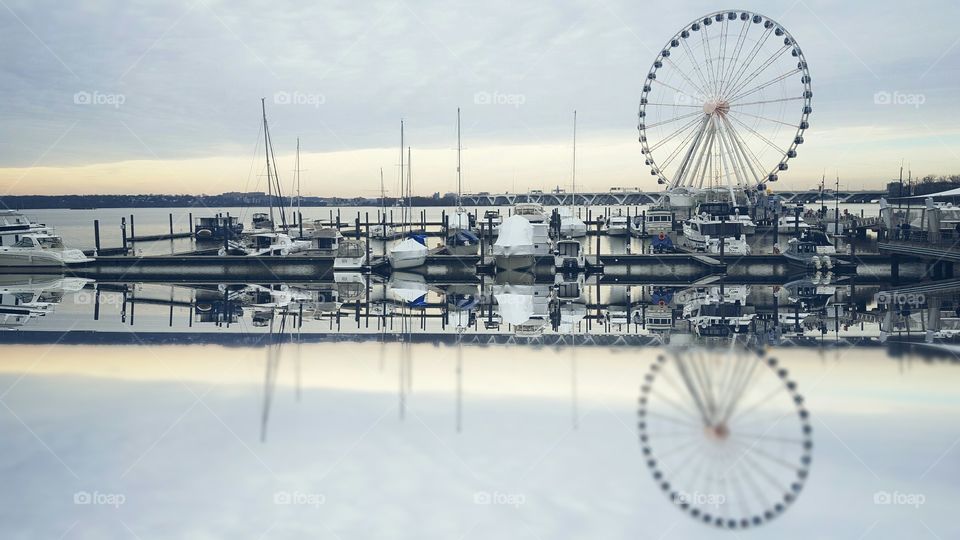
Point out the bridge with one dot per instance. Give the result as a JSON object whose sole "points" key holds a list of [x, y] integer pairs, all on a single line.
{"points": [[637, 197]]}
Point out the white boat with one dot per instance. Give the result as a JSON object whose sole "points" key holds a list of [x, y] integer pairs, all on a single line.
{"points": [[704, 233], [653, 222], [521, 243], [13, 222], [739, 214], [348, 254], [570, 225], [617, 224], [407, 254], [532, 212], [40, 249], [265, 244]]}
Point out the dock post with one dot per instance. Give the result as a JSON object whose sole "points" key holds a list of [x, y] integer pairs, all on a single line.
{"points": [[133, 233], [190, 223], [598, 241], [300, 222], [123, 232], [723, 242], [96, 235], [96, 304], [357, 225], [643, 224], [776, 227], [171, 225]]}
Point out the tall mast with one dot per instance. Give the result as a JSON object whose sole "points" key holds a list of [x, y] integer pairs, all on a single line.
{"points": [[459, 175], [403, 211], [383, 194], [299, 213], [574, 187], [409, 187], [266, 150]]}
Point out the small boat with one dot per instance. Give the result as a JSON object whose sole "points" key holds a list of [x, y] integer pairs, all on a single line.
{"points": [[739, 214], [521, 243], [813, 247], [40, 249], [568, 257], [265, 244], [409, 253], [617, 224], [218, 227], [348, 254], [463, 242], [704, 233], [13, 222], [653, 222], [532, 212], [570, 225], [261, 222], [412, 251]]}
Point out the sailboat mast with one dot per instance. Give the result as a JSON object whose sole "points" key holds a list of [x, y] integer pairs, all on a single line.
{"points": [[574, 176], [266, 149], [403, 193], [299, 213], [459, 175], [383, 194], [409, 189]]}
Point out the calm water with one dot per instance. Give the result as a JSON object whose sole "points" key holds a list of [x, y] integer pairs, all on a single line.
{"points": [[410, 408]]}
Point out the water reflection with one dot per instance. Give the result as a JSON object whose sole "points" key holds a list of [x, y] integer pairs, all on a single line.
{"points": [[725, 435], [521, 308]]}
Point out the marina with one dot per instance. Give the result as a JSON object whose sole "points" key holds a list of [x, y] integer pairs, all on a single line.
{"points": [[718, 300]]}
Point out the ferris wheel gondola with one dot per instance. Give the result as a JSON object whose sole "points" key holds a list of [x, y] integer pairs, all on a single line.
{"points": [[725, 104]]}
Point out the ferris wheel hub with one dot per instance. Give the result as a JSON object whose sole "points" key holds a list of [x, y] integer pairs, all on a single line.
{"points": [[716, 106]]}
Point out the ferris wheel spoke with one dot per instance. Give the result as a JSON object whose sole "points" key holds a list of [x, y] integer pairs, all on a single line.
{"points": [[765, 101], [684, 144], [739, 85], [759, 136], [674, 119], [693, 147], [673, 419], [709, 58], [754, 450], [692, 414], [694, 392], [696, 65], [680, 130], [764, 438], [759, 117], [755, 164], [741, 41], [762, 471], [695, 106], [743, 383], [702, 92], [751, 56], [775, 80]]}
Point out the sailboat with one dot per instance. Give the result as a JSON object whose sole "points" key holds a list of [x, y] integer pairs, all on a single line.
{"points": [[570, 225], [266, 240], [382, 231], [462, 238], [411, 252]]}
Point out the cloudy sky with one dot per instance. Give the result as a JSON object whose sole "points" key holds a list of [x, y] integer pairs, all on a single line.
{"points": [[132, 97]]}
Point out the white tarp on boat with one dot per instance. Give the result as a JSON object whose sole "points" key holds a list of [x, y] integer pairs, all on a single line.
{"points": [[515, 231], [409, 248]]}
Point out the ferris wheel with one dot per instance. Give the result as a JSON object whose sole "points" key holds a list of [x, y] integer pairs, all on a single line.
{"points": [[725, 104], [726, 437]]}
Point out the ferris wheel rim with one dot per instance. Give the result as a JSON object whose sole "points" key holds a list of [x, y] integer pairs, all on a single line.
{"points": [[743, 521], [723, 16]]}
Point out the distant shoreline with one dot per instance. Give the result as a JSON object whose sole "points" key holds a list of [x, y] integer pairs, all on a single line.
{"points": [[92, 202]]}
